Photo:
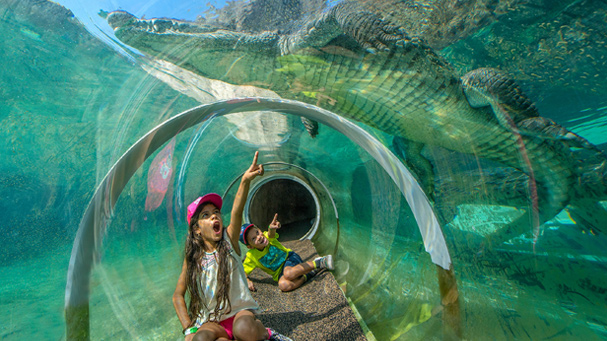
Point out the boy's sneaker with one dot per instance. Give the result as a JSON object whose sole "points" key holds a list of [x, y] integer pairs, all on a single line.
{"points": [[276, 336], [325, 262]]}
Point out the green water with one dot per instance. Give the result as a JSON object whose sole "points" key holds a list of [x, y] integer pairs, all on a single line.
{"points": [[71, 105]]}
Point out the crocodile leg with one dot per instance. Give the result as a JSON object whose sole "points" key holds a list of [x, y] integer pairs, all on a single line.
{"points": [[516, 112], [513, 109]]}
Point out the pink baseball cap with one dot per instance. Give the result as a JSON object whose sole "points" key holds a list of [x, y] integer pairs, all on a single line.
{"points": [[213, 198]]}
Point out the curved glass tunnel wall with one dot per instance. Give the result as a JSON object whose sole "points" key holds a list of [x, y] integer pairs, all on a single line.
{"points": [[73, 106], [213, 169]]}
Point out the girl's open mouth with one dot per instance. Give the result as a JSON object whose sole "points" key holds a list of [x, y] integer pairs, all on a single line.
{"points": [[217, 227]]}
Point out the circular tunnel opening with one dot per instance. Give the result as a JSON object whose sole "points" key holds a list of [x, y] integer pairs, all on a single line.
{"points": [[294, 201]]}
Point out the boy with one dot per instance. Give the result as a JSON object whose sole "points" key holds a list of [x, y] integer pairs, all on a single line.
{"points": [[284, 265]]}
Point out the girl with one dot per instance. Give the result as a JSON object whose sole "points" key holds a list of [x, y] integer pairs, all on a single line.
{"points": [[212, 273]]}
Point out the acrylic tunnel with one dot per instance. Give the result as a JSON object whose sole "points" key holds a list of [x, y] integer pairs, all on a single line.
{"points": [[108, 135], [288, 189]]}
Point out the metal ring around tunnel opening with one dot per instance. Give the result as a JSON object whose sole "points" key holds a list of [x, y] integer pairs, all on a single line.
{"points": [[294, 201]]}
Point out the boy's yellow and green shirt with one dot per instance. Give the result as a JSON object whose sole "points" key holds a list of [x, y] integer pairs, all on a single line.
{"points": [[271, 259]]}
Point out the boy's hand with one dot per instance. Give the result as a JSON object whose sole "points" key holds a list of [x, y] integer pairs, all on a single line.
{"points": [[254, 170], [251, 286], [275, 224]]}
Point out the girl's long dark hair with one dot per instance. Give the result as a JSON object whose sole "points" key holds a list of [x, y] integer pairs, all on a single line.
{"points": [[194, 251]]}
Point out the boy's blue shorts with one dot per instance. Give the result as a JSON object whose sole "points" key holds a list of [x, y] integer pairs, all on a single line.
{"points": [[292, 260]]}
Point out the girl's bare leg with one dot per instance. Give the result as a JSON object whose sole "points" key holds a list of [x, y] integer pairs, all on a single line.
{"points": [[210, 331], [248, 328]]}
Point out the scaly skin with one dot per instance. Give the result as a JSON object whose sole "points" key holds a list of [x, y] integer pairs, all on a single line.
{"points": [[356, 65]]}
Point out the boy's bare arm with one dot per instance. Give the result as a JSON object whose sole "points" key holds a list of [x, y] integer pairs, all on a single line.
{"points": [[179, 298], [274, 225], [241, 198]]}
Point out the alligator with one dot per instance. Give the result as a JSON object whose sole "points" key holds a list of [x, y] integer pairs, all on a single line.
{"points": [[364, 68]]}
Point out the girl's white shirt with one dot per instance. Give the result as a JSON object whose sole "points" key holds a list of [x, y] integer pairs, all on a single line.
{"points": [[240, 296]]}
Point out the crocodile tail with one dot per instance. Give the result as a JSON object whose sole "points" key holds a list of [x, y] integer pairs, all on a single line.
{"points": [[556, 174]]}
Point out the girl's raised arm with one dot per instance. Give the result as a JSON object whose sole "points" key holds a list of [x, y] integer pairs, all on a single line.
{"points": [[240, 199]]}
